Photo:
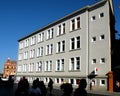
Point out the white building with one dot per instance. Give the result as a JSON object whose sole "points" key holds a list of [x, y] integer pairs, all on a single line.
{"points": [[70, 48]]}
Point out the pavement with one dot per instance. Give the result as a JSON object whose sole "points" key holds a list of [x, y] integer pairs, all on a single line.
{"points": [[9, 91], [102, 93]]}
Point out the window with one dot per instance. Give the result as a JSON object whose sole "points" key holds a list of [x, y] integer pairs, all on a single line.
{"points": [[101, 15], [33, 40], [75, 24], [24, 69], [61, 29], [20, 56], [32, 53], [57, 80], [60, 65], [40, 51], [78, 22], [60, 46], [75, 43], [25, 55], [48, 65], [93, 39], [21, 45], [102, 82], [71, 81], [50, 33], [49, 49], [41, 37], [19, 68], [93, 61], [39, 66], [102, 37], [102, 60], [74, 64], [26, 43], [77, 63], [93, 18], [31, 67], [63, 45], [72, 43]]}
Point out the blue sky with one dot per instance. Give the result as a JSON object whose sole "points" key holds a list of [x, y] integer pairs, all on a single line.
{"points": [[19, 18]]}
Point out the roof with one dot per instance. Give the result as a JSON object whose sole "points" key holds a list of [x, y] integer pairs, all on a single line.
{"points": [[11, 61]]}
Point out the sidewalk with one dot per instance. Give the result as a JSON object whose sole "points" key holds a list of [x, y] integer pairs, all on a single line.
{"points": [[103, 93], [58, 92]]}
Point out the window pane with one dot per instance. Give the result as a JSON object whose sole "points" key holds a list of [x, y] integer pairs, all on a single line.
{"points": [[78, 42], [72, 43], [78, 22], [73, 24]]}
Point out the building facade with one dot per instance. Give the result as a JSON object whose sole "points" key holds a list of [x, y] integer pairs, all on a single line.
{"points": [[73, 47], [9, 68]]}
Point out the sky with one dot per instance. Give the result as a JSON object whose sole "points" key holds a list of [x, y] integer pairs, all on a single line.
{"points": [[19, 18]]}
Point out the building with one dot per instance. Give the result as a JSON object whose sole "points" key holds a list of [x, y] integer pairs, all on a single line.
{"points": [[76, 46], [9, 68]]}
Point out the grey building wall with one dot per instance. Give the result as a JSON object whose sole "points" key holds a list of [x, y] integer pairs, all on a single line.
{"points": [[94, 51]]}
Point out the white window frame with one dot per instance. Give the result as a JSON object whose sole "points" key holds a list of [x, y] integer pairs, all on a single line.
{"points": [[60, 46], [102, 60], [61, 29], [94, 61], [73, 64], [19, 68], [25, 55], [33, 40], [94, 39], [93, 18], [48, 65], [101, 15], [60, 65], [50, 33], [20, 56], [41, 37], [75, 42], [102, 37], [31, 67], [75, 22], [39, 51], [21, 45], [39, 66], [32, 53], [101, 82], [49, 49]]}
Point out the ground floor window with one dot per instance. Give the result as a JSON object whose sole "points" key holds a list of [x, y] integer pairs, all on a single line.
{"points": [[102, 82]]}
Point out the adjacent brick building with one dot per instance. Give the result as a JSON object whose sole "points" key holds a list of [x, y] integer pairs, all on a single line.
{"points": [[9, 68]]}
